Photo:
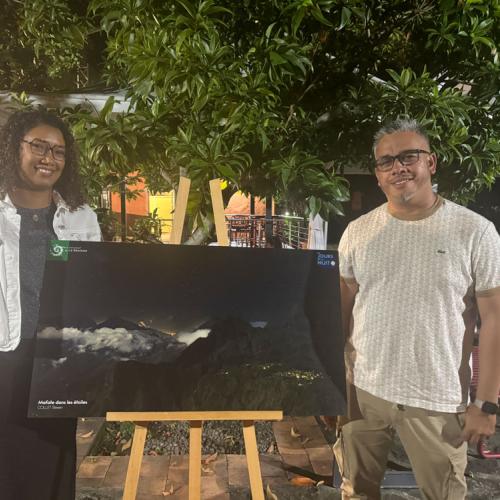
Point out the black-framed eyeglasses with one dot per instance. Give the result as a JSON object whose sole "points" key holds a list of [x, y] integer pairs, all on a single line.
{"points": [[407, 158], [40, 148]]}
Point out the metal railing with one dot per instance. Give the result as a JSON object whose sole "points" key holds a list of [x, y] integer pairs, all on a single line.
{"points": [[250, 231]]}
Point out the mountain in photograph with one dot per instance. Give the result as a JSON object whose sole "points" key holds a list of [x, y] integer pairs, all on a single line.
{"points": [[226, 364]]}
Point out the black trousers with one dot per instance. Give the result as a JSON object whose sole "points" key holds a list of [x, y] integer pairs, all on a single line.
{"points": [[37, 455]]}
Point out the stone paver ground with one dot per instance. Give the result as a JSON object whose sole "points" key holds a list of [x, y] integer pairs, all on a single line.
{"points": [[222, 477], [301, 444]]}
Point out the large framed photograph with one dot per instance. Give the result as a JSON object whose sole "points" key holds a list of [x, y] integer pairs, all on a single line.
{"points": [[129, 327]]}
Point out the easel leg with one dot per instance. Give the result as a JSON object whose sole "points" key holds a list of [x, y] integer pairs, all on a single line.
{"points": [[134, 464], [253, 460], [195, 459]]}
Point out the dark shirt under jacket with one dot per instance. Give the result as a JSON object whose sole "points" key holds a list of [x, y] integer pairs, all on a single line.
{"points": [[35, 233]]}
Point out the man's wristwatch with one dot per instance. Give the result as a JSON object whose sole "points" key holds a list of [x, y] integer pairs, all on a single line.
{"points": [[486, 406]]}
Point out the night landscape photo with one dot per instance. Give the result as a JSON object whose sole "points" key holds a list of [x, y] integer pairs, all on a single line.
{"points": [[175, 328]]}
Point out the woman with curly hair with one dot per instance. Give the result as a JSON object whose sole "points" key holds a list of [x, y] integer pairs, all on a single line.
{"points": [[40, 200]]}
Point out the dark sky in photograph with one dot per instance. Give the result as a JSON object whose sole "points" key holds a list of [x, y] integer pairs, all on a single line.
{"points": [[179, 288]]}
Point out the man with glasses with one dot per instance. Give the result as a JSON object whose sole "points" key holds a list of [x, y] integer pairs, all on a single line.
{"points": [[414, 273]]}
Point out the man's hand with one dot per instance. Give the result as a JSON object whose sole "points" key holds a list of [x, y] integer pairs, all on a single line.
{"points": [[478, 425]]}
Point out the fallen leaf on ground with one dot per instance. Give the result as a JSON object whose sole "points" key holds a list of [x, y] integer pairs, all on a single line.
{"points": [[294, 433], [271, 448], [269, 494], [86, 435], [207, 470], [209, 459], [168, 492], [302, 481], [152, 453], [127, 445]]}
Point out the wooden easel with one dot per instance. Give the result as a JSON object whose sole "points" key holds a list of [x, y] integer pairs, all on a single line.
{"points": [[195, 418], [141, 419]]}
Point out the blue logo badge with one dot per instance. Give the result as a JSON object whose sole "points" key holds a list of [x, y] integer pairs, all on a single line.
{"points": [[325, 260]]}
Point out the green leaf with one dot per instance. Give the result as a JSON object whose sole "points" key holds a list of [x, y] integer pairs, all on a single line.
{"points": [[297, 19], [313, 205], [394, 75], [107, 109], [285, 176], [264, 139], [226, 171], [406, 77], [115, 147], [188, 7], [200, 102], [318, 15], [183, 135], [485, 41], [269, 30], [276, 59], [155, 108], [181, 38], [345, 17]]}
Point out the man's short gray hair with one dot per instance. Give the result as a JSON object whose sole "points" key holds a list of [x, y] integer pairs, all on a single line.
{"points": [[400, 125]]}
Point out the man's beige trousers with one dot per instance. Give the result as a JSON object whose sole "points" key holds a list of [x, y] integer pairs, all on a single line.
{"points": [[431, 440]]}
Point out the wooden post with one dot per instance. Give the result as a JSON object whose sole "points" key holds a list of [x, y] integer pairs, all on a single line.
{"points": [[195, 419], [195, 459], [123, 208], [219, 217], [134, 465], [253, 463], [181, 200], [269, 218]]}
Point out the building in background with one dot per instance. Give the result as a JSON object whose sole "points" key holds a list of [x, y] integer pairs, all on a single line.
{"points": [[143, 204]]}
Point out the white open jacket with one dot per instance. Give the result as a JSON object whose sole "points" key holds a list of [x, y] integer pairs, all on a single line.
{"points": [[80, 224]]}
